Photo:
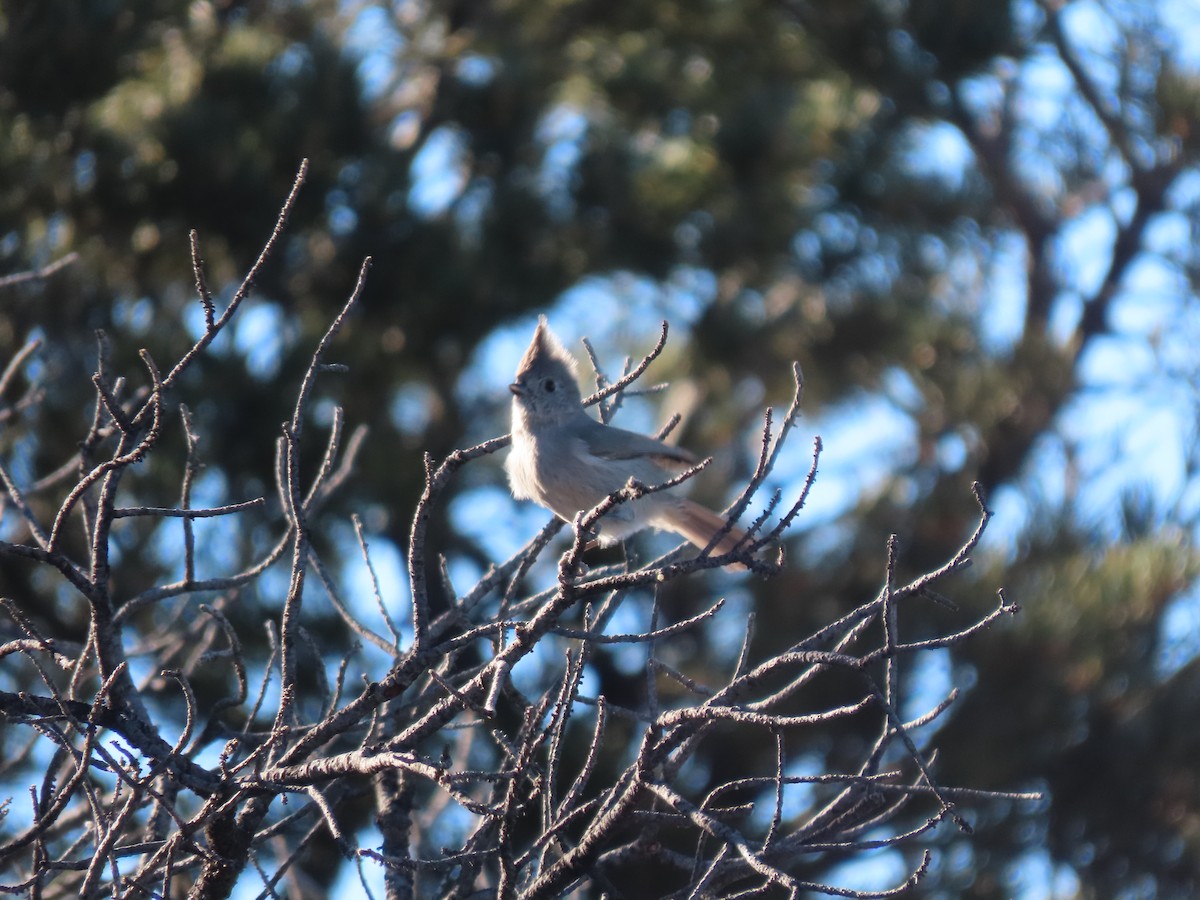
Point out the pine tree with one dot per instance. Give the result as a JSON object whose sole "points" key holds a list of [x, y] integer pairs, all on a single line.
{"points": [[968, 222]]}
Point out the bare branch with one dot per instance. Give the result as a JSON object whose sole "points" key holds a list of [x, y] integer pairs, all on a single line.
{"points": [[493, 751], [44, 272]]}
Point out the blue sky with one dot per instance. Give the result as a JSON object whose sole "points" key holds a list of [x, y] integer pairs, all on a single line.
{"points": [[1131, 427]]}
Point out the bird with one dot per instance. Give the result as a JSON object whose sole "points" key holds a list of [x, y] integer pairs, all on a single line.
{"points": [[568, 462]]}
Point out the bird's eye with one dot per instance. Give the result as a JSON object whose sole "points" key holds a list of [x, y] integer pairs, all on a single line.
{"points": [[549, 385]]}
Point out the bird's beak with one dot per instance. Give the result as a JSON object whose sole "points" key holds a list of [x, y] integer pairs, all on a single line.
{"points": [[517, 388]]}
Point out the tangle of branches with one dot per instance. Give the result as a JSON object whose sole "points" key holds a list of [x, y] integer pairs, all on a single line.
{"points": [[478, 783]]}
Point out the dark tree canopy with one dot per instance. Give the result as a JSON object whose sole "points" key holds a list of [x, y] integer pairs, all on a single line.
{"points": [[972, 223]]}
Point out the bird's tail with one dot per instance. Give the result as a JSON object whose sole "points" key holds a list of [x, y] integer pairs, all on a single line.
{"points": [[699, 525]]}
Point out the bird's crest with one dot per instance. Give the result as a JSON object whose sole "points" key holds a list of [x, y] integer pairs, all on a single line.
{"points": [[545, 347]]}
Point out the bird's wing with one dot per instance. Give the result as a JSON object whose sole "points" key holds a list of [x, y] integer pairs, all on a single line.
{"points": [[608, 442]]}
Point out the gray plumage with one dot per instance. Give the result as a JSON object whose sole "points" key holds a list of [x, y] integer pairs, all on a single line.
{"points": [[566, 461]]}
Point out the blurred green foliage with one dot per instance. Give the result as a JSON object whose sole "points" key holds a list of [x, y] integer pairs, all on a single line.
{"points": [[854, 178]]}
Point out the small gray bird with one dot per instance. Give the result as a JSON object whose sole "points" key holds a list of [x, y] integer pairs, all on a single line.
{"points": [[566, 461]]}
